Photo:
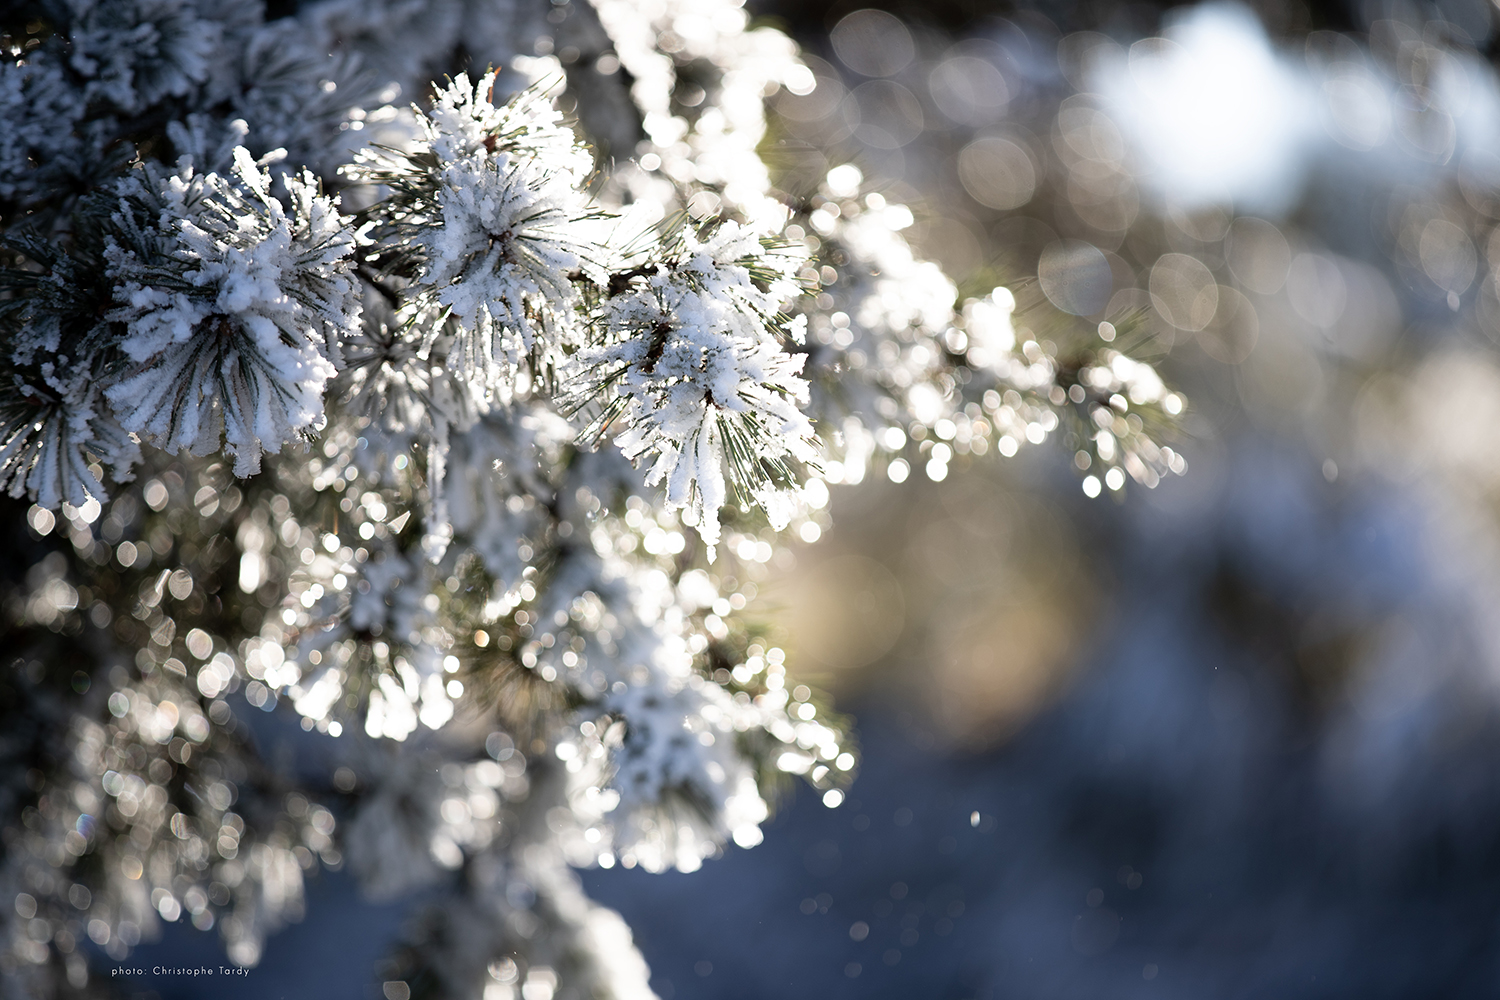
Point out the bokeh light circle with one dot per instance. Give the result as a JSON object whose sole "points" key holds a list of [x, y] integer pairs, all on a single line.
{"points": [[1075, 276]]}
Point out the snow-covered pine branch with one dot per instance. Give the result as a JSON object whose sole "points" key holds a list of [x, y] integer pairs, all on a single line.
{"points": [[533, 393]]}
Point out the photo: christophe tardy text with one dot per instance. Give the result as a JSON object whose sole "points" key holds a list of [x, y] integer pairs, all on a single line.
{"points": [[178, 970]]}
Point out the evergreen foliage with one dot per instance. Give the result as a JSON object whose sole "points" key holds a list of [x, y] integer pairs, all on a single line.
{"points": [[349, 389]]}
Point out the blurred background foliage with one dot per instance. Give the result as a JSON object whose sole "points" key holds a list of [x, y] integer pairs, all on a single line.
{"points": [[1292, 206]]}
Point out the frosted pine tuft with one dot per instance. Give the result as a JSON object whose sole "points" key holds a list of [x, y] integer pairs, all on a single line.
{"points": [[703, 391], [233, 324], [485, 207]]}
